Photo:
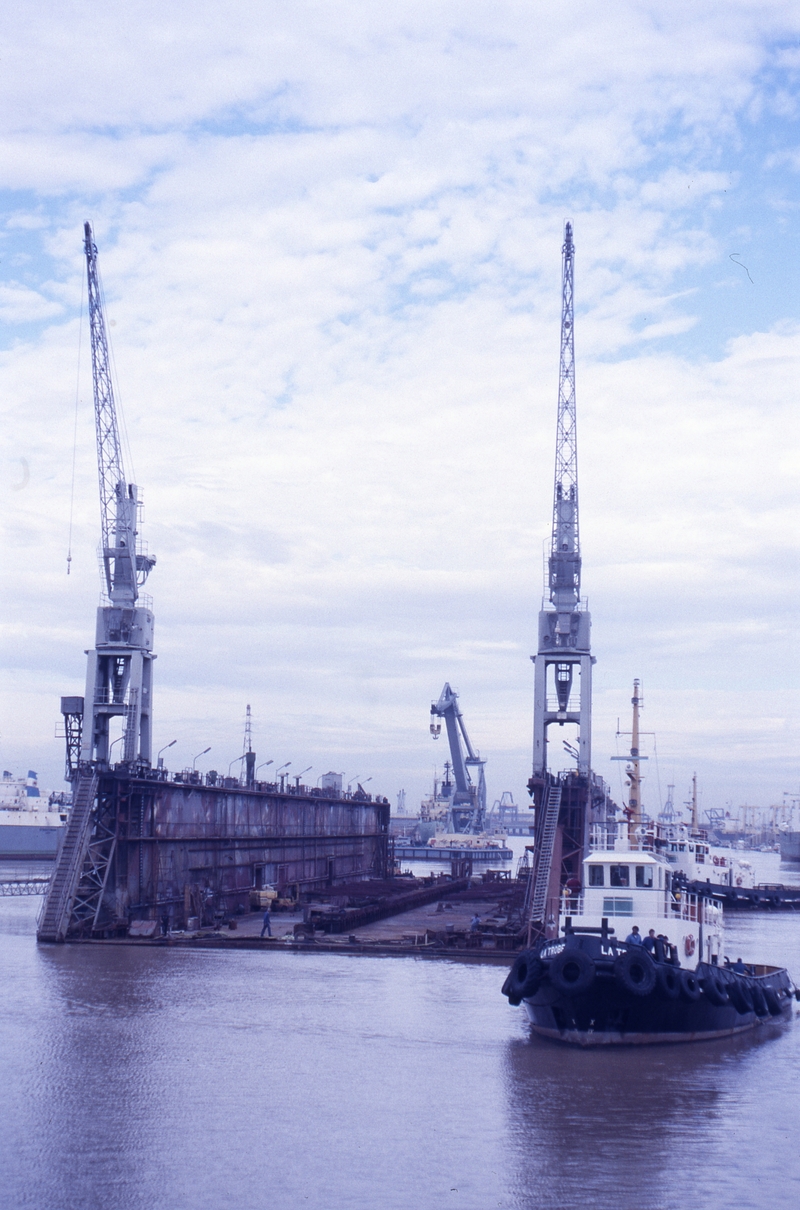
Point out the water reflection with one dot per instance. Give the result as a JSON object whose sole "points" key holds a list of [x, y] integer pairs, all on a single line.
{"points": [[638, 1127]]}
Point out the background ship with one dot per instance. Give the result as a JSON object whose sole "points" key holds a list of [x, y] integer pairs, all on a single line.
{"points": [[30, 822]]}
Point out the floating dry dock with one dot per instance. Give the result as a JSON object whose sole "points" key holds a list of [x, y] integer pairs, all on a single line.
{"points": [[188, 849]]}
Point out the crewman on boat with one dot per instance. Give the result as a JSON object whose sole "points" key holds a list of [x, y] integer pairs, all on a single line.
{"points": [[650, 942], [739, 967], [634, 936]]}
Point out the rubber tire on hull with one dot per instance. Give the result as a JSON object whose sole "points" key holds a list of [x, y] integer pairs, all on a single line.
{"points": [[690, 987], [524, 978], [715, 989], [668, 982], [741, 996], [571, 972], [635, 972], [759, 1003], [773, 1000]]}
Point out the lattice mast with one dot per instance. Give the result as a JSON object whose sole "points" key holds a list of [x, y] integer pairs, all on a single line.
{"points": [[565, 550], [564, 627], [119, 673], [248, 755]]}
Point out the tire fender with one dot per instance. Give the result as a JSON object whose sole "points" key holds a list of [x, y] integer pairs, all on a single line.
{"points": [[715, 989], [572, 972], [690, 987], [668, 981], [635, 972], [524, 977], [741, 996]]}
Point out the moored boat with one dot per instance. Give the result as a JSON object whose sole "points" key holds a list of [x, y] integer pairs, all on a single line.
{"points": [[667, 980]]}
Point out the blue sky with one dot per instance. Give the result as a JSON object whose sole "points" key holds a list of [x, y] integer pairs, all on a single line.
{"points": [[330, 241]]}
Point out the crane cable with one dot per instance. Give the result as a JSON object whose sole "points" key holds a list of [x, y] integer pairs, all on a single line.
{"points": [[75, 434]]}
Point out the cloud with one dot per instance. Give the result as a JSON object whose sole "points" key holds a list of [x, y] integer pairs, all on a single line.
{"points": [[330, 244], [21, 305]]}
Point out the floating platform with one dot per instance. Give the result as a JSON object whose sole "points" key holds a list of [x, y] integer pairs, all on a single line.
{"points": [[424, 852], [767, 897]]}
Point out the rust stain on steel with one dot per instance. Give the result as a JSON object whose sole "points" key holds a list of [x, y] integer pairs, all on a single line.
{"points": [[194, 850]]}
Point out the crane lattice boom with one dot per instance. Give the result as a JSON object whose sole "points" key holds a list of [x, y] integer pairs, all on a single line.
{"points": [[118, 498], [565, 560]]}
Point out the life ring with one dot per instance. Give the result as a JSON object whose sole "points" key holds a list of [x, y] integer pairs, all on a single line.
{"points": [[669, 981], [738, 880], [715, 988], [635, 972], [690, 986], [571, 972], [689, 945], [523, 978]]}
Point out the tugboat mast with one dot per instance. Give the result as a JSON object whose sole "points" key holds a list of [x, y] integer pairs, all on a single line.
{"points": [[633, 811]]}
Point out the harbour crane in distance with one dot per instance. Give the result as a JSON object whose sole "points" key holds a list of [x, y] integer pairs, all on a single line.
{"points": [[468, 804]]}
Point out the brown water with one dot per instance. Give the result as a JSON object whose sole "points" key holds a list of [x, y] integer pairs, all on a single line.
{"points": [[142, 1079]]}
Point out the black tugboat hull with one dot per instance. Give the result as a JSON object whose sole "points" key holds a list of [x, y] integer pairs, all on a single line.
{"points": [[544, 1022], [622, 997]]}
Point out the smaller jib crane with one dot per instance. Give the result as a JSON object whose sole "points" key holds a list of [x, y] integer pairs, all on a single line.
{"points": [[468, 804]]}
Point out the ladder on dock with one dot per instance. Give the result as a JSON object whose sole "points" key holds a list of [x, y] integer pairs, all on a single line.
{"points": [[544, 857], [60, 898]]}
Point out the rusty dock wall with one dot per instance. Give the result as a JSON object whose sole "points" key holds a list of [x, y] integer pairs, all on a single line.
{"points": [[187, 850]]}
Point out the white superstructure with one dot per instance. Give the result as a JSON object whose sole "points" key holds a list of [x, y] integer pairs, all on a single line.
{"points": [[630, 887]]}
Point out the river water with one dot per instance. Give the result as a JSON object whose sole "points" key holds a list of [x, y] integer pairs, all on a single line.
{"points": [[150, 1079]]}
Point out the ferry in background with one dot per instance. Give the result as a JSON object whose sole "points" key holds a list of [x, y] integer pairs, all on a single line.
{"points": [[31, 823]]}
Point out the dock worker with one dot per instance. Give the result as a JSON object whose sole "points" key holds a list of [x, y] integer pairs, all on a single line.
{"points": [[266, 925], [634, 936], [475, 923]]}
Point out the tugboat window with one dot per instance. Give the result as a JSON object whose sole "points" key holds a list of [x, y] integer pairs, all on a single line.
{"points": [[618, 875], [596, 875], [644, 875], [617, 907]]}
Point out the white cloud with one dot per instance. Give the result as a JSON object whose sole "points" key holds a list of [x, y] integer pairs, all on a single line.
{"points": [[20, 305], [330, 244]]}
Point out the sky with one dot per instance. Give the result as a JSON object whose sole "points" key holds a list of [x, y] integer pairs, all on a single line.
{"points": [[330, 242]]}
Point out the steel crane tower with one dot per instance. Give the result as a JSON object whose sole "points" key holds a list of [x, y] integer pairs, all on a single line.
{"points": [[564, 625], [468, 804], [119, 677]]}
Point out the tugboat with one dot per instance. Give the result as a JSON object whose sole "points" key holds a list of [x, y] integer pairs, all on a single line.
{"points": [[592, 987]]}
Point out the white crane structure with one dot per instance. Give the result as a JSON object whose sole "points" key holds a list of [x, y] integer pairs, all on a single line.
{"points": [[468, 805], [119, 676], [564, 624]]}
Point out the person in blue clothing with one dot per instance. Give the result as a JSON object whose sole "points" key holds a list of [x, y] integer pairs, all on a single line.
{"points": [[634, 936], [650, 942], [266, 926], [739, 967]]}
